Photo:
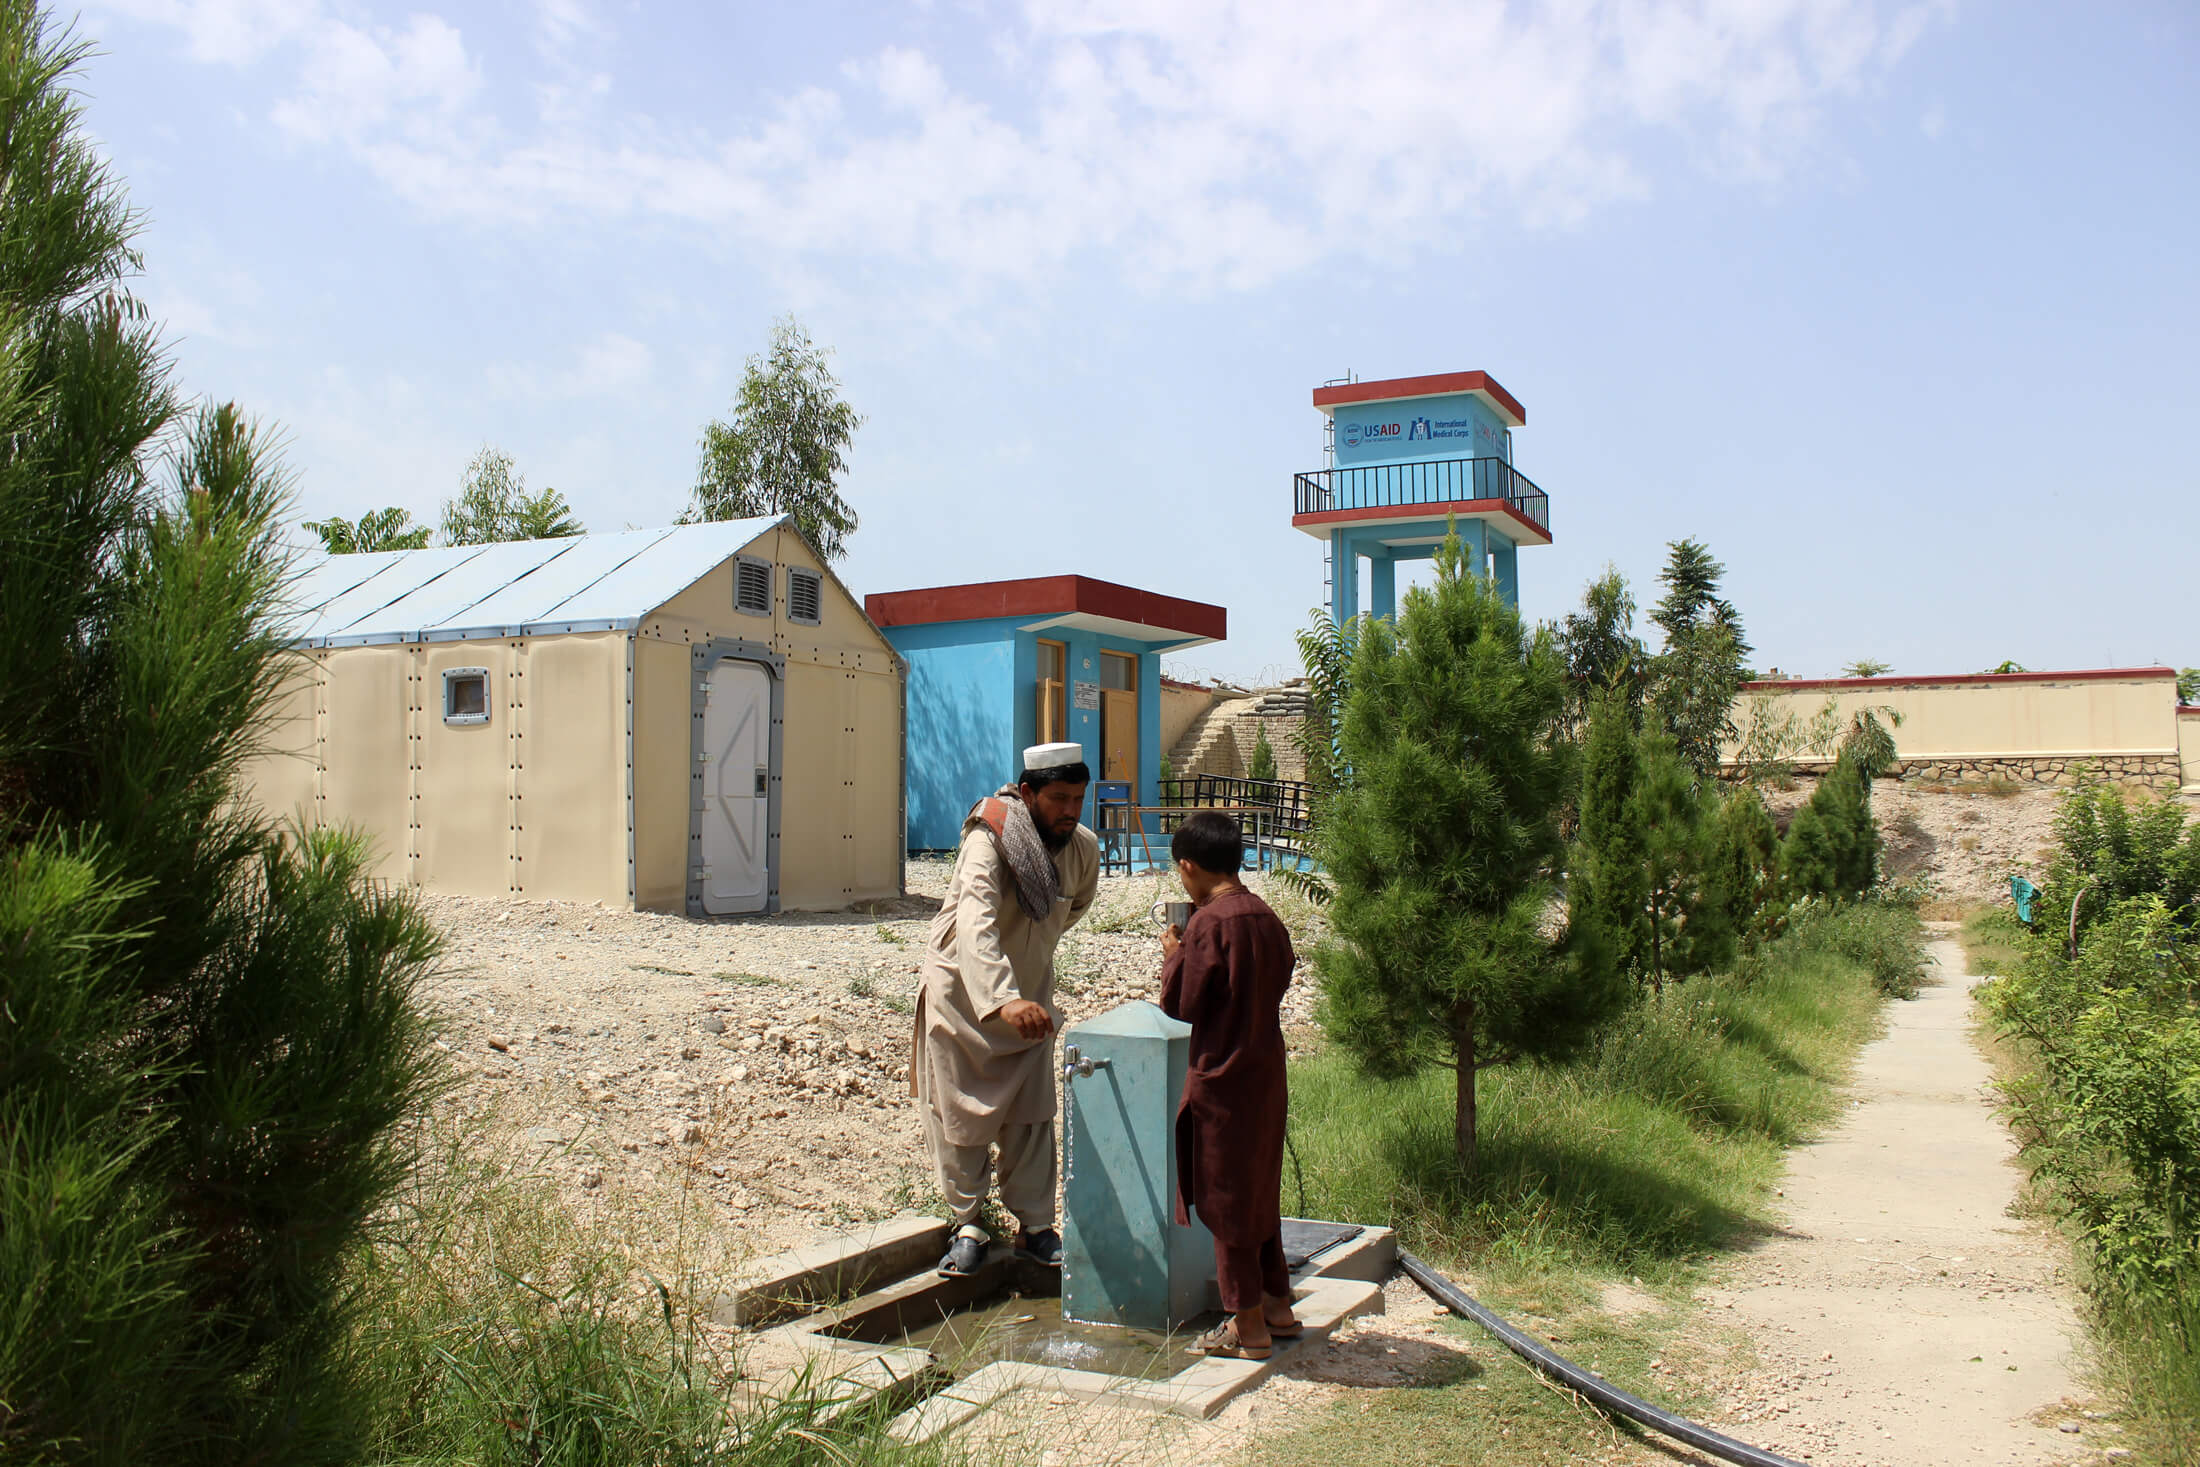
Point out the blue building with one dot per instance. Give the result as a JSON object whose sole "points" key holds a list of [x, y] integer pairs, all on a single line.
{"points": [[995, 668], [1407, 454]]}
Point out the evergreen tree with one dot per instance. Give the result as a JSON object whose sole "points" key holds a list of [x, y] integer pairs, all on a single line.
{"points": [[1440, 848], [206, 1029], [1702, 667], [1261, 763], [1608, 875], [1685, 924], [378, 529], [493, 505], [1744, 875], [786, 446], [1832, 845]]}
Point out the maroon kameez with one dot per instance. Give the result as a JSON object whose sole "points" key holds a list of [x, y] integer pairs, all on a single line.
{"points": [[1227, 980]]}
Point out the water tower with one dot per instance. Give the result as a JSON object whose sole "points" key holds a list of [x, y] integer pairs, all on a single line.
{"points": [[1405, 455]]}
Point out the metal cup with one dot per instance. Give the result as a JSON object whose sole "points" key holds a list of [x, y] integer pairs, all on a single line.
{"points": [[1173, 914]]}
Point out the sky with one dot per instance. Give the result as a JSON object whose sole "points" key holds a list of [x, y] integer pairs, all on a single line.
{"points": [[1895, 305]]}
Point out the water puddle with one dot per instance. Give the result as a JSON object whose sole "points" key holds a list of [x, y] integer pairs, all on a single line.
{"points": [[1032, 1331]]}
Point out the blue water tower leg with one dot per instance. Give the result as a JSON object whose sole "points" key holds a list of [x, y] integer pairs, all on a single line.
{"points": [[1382, 587], [1505, 565], [1344, 579]]}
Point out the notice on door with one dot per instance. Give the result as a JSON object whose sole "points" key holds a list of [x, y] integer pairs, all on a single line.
{"points": [[1087, 696]]}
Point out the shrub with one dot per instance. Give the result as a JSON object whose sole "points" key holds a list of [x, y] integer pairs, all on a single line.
{"points": [[207, 1029], [1883, 937], [1261, 763]]}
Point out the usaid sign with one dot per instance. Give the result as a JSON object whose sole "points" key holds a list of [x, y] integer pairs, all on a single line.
{"points": [[1440, 427]]}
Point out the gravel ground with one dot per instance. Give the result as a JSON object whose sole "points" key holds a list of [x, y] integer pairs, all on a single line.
{"points": [[761, 1065]]}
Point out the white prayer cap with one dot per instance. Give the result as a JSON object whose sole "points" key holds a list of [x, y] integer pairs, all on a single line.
{"points": [[1053, 756]]}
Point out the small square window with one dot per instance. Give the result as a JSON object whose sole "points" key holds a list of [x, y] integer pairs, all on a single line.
{"points": [[752, 586], [466, 695], [805, 595]]}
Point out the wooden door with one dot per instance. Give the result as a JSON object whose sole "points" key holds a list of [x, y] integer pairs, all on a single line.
{"points": [[1052, 722], [1119, 717]]}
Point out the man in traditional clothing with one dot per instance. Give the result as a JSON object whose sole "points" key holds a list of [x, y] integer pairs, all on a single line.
{"points": [[1225, 974], [984, 1062]]}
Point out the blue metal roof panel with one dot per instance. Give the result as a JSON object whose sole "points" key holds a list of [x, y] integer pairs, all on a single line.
{"points": [[468, 582], [494, 590], [532, 596], [357, 608], [659, 573]]}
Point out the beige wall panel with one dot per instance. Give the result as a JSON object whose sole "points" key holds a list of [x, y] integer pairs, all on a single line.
{"points": [[663, 747], [877, 826], [280, 780], [844, 636], [840, 835], [2000, 719], [2188, 746], [465, 782], [366, 750], [571, 809], [814, 790]]}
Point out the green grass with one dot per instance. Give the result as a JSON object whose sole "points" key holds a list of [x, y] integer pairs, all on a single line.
{"points": [[1993, 940], [1635, 1161], [497, 1327]]}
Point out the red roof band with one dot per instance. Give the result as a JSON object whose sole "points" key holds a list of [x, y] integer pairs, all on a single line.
{"points": [[1048, 596], [1442, 384]]}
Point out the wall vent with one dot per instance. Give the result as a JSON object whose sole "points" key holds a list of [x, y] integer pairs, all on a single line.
{"points": [[752, 586], [805, 596]]}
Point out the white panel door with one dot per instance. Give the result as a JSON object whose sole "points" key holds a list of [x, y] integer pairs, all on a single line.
{"points": [[737, 746]]}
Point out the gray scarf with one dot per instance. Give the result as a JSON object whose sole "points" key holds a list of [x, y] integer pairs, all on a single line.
{"points": [[1016, 837]]}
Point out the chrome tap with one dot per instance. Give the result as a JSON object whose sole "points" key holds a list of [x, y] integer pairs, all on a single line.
{"points": [[1076, 1064]]}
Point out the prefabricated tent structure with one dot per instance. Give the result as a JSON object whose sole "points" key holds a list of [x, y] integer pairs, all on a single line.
{"points": [[696, 719]]}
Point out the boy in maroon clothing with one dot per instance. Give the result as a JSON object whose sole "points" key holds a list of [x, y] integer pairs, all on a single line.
{"points": [[1225, 974]]}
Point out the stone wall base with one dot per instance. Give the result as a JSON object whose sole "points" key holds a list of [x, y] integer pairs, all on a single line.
{"points": [[2160, 772]]}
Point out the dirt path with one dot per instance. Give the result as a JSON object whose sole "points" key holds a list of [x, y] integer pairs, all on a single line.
{"points": [[1903, 1315]]}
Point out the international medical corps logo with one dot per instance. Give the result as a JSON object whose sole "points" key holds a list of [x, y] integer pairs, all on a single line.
{"points": [[1417, 431]]}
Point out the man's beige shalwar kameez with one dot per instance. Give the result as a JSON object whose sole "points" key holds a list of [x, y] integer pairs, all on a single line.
{"points": [[982, 1083]]}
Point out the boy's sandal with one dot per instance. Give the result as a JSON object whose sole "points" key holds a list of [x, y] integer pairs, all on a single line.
{"points": [[1296, 1329], [1222, 1343]]}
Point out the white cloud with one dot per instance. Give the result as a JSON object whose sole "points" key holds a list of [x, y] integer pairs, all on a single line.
{"points": [[1222, 144], [609, 365]]}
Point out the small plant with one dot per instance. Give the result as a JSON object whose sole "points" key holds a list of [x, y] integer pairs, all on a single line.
{"points": [[890, 937], [861, 985], [748, 980], [1867, 667], [1261, 763]]}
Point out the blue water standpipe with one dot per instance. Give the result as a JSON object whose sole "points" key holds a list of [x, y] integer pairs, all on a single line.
{"points": [[1594, 1387]]}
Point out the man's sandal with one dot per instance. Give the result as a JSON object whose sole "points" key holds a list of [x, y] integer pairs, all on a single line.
{"points": [[1295, 1330], [965, 1253], [1222, 1343]]}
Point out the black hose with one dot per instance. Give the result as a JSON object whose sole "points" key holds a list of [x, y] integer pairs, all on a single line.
{"points": [[1594, 1387]]}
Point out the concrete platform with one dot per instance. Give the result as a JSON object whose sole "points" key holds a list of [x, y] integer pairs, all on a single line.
{"points": [[833, 1287]]}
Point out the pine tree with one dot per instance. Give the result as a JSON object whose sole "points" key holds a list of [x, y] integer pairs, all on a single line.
{"points": [[1261, 763], [1745, 863], [1441, 845], [1608, 876], [206, 1029], [1701, 668], [1687, 933]]}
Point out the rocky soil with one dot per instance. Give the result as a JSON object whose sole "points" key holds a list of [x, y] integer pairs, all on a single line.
{"points": [[759, 1066]]}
